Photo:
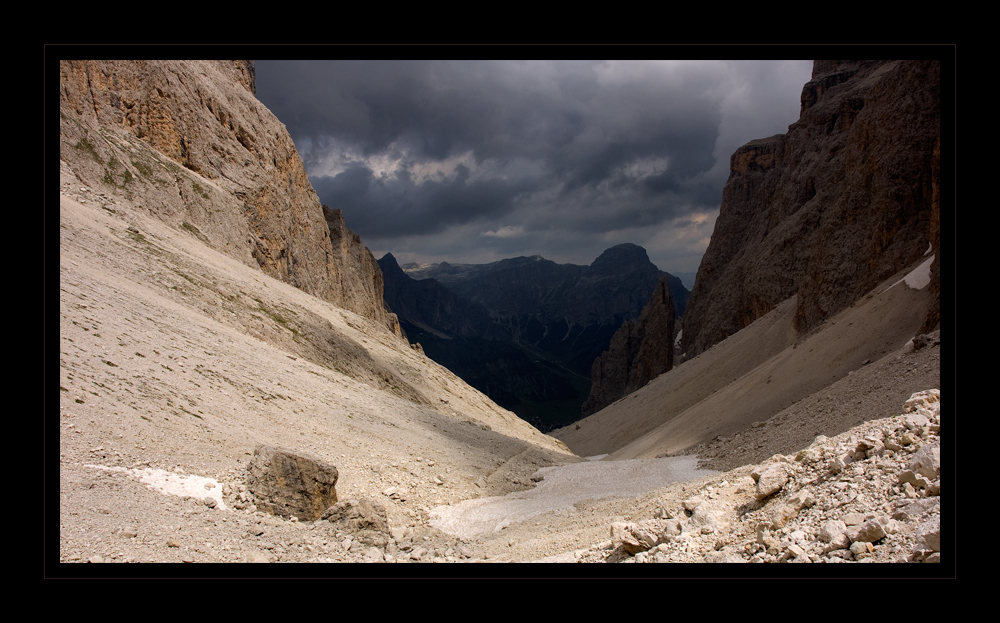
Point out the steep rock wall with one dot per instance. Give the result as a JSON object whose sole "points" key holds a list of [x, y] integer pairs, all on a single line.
{"points": [[190, 139], [640, 350], [848, 196]]}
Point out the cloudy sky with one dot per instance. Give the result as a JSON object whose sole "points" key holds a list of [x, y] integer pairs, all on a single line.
{"points": [[475, 161]]}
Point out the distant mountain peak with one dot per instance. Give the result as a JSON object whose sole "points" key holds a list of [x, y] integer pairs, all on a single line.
{"points": [[625, 254], [390, 267]]}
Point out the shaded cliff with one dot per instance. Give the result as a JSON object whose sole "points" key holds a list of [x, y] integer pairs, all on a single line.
{"points": [[640, 350], [844, 199], [463, 336], [427, 306], [190, 140]]}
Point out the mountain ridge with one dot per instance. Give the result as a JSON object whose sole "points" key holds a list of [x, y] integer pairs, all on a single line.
{"points": [[549, 322]]}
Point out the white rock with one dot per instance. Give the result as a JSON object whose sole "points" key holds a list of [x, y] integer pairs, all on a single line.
{"points": [[929, 536], [831, 529], [927, 461], [771, 480]]}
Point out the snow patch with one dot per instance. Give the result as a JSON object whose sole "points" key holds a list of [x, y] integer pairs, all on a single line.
{"points": [[918, 278], [172, 483]]}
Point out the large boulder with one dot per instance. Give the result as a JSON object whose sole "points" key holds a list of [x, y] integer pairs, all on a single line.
{"points": [[290, 484]]}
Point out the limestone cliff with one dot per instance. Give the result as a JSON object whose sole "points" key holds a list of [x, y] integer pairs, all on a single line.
{"points": [[844, 199], [190, 140], [640, 350]]}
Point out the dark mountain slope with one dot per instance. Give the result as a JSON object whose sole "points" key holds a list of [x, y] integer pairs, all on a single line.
{"points": [[549, 322]]}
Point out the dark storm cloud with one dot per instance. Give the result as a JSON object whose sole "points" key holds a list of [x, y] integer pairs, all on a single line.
{"points": [[432, 108], [512, 152], [385, 206]]}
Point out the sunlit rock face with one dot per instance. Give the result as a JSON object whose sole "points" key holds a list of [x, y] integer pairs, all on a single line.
{"points": [[190, 139]]}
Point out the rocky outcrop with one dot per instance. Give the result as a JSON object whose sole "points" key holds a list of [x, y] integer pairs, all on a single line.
{"points": [[362, 280], [843, 200], [871, 494], [192, 144], [640, 350]]}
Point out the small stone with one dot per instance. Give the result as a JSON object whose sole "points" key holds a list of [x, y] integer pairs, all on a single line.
{"points": [[631, 537], [858, 549], [771, 480], [838, 542], [853, 519], [783, 514], [870, 531], [662, 513], [838, 464], [927, 461], [929, 536], [671, 529], [691, 503], [418, 553], [808, 455], [831, 529], [909, 477]]}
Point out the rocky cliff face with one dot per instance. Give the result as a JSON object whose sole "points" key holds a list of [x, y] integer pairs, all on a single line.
{"points": [[190, 140], [847, 197], [640, 350]]}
